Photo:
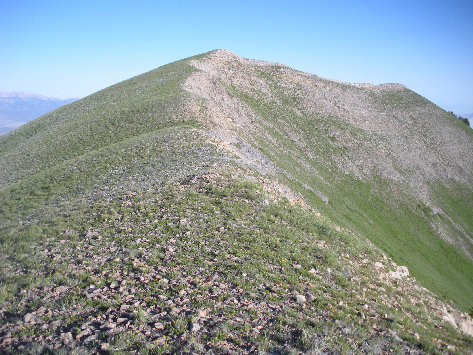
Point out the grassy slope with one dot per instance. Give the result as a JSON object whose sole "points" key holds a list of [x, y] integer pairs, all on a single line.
{"points": [[138, 204], [208, 248], [104, 174], [381, 209], [139, 105]]}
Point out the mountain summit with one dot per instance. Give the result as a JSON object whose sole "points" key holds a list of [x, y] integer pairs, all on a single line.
{"points": [[224, 204]]}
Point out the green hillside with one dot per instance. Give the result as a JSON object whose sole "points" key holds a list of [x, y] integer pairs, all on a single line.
{"points": [[219, 204], [313, 152]]}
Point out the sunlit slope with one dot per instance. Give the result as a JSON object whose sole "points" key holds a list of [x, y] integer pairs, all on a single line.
{"points": [[139, 105], [207, 259], [391, 165]]}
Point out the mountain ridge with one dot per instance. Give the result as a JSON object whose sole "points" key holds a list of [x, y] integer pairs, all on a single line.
{"points": [[380, 128], [23, 94], [17, 108], [296, 196]]}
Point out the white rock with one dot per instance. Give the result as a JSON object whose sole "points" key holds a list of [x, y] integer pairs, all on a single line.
{"points": [[104, 347], [450, 318], [401, 271], [301, 299], [27, 318], [378, 265], [195, 327], [466, 326]]}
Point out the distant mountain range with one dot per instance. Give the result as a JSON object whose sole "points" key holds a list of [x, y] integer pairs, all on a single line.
{"points": [[17, 108]]}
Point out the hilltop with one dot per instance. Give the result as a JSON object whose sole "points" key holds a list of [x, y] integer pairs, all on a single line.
{"points": [[223, 204]]}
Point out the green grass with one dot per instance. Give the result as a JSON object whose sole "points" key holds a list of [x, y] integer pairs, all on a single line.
{"points": [[133, 107], [241, 248], [380, 209], [404, 231]]}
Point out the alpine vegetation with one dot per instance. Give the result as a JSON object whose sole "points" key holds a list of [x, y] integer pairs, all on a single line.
{"points": [[226, 205]]}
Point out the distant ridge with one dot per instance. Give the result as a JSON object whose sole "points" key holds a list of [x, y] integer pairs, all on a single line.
{"points": [[17, 108], [21, 94]]}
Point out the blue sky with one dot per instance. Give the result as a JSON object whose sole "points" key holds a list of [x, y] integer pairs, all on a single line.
{"points": [[74, 48]]}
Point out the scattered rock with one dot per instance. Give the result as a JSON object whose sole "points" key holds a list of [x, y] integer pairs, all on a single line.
{"points": [[66, 337], [61, 289], [84, 333], [301, 299], [401, 272], [90, 338], [28, 317], [110, 325]]}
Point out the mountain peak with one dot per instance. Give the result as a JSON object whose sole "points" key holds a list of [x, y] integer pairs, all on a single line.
{"points": [[224, 52]]}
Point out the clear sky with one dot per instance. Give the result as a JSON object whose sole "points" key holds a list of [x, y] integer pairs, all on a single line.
{"points": [[74, 48]]}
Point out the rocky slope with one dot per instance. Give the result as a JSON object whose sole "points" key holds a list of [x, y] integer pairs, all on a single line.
{"points": [[376, 155], [221, 204]]}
